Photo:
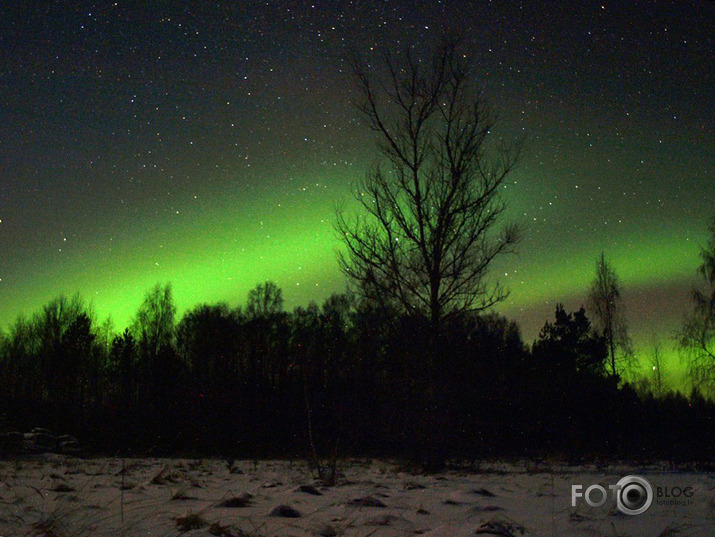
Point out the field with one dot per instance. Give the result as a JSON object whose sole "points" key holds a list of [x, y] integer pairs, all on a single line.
{"points": [[60, 496]]}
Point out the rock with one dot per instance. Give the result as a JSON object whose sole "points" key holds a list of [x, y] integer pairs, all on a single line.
{"points": [[285, 511], [383, 520], [483, 492], [163, 477], [182, 495], [310, 489], [367, 501], [502, 529], [410, 485], [62, 487], [328, 531], [190, 522], [237, 501], [485, 509]]}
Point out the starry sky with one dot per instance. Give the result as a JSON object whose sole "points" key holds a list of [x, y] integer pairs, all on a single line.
{"points": [[207, 144]]}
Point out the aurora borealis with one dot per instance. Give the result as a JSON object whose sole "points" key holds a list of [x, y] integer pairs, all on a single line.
{"points": [[207, 144]]}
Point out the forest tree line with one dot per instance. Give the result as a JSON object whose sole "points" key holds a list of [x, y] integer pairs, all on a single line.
{"points": [[348, 375]]}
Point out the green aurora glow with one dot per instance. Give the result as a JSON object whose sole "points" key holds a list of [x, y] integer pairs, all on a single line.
{"points": [[219, 255]]}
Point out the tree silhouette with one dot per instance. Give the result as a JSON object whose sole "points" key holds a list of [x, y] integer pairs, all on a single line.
{"points": [[568, 345], [657, 382], [264, 300], [207, 341], [153, 324], [122, 367], [697, 336], [606, 300], [569, 386], [428, 235], [21, 369], [77, 351], [232, 385], [61, 321], [153, 329]]}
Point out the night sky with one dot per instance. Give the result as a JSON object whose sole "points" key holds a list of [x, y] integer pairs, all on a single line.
{"points": [[207, 144]]}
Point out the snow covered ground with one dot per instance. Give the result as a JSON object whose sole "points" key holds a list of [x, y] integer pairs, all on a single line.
{"points": [[58, 496]]}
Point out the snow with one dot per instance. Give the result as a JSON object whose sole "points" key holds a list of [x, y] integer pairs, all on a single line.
{"points": [[65, 496]]}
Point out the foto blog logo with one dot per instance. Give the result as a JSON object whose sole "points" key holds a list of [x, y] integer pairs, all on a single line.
{"points": [[633, 495]]}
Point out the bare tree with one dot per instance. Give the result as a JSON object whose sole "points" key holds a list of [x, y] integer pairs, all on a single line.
{"points": [[58, 325], [697, 337], [264, 300], [657, 364], [153, 325], [428, 231], [606, 301], [154, 330]]}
